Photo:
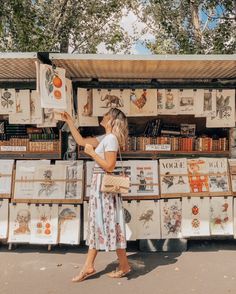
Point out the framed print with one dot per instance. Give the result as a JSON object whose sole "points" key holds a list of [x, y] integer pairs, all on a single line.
{"points": [[7, 101], [22, 115], [174, 176], [52, 87], [6, 169], [130, 215], [195, 216], [148, 220], [69, 224], [167, 101], [221, 215], [143, 102], [144, 178], [171, 218], [4, 218], [19, 223], [86, 118], [225, 110], [44, 224], [104, 99]]}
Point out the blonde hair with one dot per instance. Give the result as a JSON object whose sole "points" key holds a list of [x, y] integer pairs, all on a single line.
{"points": [[119, 125]]}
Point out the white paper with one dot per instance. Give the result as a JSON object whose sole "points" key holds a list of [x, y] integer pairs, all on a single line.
{"points": [[6, 168], [69, 224], [36, 112], [130, 216], [22, 115], [44, 224], [3, 218]]}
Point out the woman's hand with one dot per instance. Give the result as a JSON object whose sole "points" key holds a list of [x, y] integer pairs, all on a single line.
{"points": [[64, 116], [88, 149]]}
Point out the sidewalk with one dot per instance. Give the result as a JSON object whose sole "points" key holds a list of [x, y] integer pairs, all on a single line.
{"points": [[207, 267]]}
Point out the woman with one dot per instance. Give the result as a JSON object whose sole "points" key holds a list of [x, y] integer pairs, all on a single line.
{"points": [[106, 225]]}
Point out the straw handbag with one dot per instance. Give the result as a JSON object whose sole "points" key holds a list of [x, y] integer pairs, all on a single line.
{"points": [[115, 183]]}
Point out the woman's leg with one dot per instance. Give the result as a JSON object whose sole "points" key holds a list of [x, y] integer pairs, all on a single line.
{"points": [[123, 260], [88, 267]]}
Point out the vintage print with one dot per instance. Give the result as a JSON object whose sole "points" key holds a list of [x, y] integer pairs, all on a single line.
{"points": [[7, 101], [198, 173], [143, 102], [36, 112], [130, 215], [187, 101], [206, 103], [22, 115], [167, 101], [6, 168]]}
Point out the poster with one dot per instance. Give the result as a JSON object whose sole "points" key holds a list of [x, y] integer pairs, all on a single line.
{"points": [[218, 175], [206, 103], [52, 87], [48, 119], [86, 117], [148, 220], [187, 101], [75, 174], [25, 174], [50, 182], [69, 224], [6, 168], [3, 218], [7, 101], [195, 216], [36, 112], [232, 166], [44, 224], [143, 102], [225, 110], [130, 215], [144, 178], [104, 99], [19, 223], [89, 174], [171, 218], [22, 115], [167, 101], [198, 175], [174, 176], [221, 215]]}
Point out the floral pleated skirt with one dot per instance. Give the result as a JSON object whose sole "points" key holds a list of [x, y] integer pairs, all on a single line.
{"points": [[106, 223]]}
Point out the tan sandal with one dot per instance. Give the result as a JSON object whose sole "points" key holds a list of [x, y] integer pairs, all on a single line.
{"points": [[118, 273], [83, 276]]}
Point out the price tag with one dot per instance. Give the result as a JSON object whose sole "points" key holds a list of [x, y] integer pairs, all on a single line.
{"points": [[158, 147], [13, 148]]}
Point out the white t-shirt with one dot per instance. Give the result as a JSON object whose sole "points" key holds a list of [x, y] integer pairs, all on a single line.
{"points": [[107, 142]]}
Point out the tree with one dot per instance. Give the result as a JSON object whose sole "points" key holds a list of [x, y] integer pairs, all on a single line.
{"points": [[62, 25], [189, 26]]}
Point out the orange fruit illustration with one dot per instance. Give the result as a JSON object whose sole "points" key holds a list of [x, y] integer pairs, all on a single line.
{"points": [[57, 94], [47, 232], [57, 82], [47, 225], [39, 225]]}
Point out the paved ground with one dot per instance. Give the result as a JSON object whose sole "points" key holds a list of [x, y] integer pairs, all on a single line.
{"points": [[207, 267]]}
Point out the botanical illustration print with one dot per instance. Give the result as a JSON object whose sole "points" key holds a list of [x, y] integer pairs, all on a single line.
{"points": [[221, 210], [36, 112], [69, 224], [7, 101], [6, 167], [218, 175], [232, 166], [20, 221], [44, 224], [167, 101], [103, 100], [3, 218], [171, 218], [24, 179], [174, 177], [148, 220], [206, 103], [85, 108], [195, 216], [187, 101], [22, 115], [50, 182], [198, 175], [144, 178], [74, 176], [52, 87], [89, 174], [130, 216], [225, 110], [143, 102]]}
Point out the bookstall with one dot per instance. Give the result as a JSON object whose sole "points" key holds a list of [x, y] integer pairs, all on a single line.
{"points": [[179, 155]]}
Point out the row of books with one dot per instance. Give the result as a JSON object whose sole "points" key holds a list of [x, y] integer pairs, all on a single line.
{"points": [[179, 143]]}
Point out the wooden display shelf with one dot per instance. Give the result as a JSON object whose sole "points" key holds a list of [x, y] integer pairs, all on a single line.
{"points": [[48, 201], [203, 194], [5, 196], [153, 197], [159, 154], [30, 155]]}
